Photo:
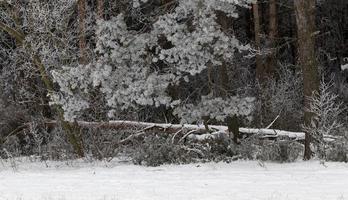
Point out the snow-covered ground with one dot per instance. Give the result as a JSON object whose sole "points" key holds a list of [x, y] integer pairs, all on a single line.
{"points": [[242, 180]]}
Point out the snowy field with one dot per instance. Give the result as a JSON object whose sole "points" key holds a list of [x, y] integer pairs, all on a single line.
{"points": [[242, 180]]}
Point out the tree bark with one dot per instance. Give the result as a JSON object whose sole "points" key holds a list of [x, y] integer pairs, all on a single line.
{"points": [[82, 30], [271, 64], [305, 19], [100, 9], [257, 31]]}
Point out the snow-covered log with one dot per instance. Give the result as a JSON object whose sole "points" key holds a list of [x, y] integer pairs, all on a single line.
{"points": [[271, 133], [196, 132], [275, 133], [144, 126]]}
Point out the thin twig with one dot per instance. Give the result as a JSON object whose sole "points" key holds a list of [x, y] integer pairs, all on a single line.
{"points": [[175, 134], [187, 134], [271, 124], [137, 134]]}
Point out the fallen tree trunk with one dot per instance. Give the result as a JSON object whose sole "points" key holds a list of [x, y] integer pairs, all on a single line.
{"points": [[135, 125], [272, 133], [194, 131]]}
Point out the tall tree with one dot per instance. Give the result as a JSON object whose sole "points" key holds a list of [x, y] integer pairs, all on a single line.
{"points": [[305, 18]]}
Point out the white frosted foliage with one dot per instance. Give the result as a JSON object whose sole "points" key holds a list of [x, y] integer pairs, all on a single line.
{"points": [[133, 69], [216, 108]]}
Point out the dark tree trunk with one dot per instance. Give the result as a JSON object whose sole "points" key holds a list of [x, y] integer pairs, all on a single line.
{"points": [[271, 60], [233, 127], [257, 31], [305, 18]]}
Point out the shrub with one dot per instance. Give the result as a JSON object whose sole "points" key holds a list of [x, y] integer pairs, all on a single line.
{"points": [[280, 151], [281, 96], [338, 151], [248, 148], [326, 110], [155, 150]]}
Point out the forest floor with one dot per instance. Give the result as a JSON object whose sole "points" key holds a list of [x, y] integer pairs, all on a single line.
{"points": [[241, 180]]}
